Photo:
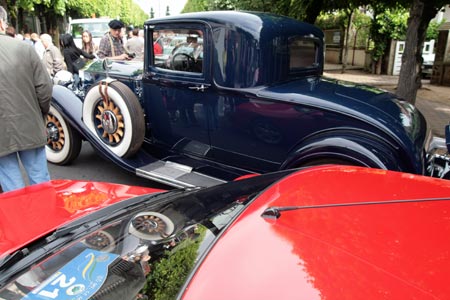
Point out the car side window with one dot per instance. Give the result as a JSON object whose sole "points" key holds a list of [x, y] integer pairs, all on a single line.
{"points": [[178, 49]]}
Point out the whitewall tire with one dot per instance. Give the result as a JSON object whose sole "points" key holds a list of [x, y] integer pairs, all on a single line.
{"points": [[118, 122]]}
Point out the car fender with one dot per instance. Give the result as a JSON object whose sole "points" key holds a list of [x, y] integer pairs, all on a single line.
{"points": [[360, 148], [69, 105]]}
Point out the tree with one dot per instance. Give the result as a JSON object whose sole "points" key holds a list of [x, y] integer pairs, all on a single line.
{"points": [[51, 12], [420, 14], [389, 23], [432, 31], [195, 5], [311, 10]]}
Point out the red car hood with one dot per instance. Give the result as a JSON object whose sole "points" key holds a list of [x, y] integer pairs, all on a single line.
{"points": [[40, 209], [371, 251]]}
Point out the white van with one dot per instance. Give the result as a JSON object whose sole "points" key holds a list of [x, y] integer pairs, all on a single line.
{"points": [[96, 26]]}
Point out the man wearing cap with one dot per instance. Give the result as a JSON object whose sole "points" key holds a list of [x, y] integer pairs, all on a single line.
{"points": [[111, 45]]}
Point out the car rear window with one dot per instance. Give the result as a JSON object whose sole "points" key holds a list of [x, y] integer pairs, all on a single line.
{"points": [[302, 53]]}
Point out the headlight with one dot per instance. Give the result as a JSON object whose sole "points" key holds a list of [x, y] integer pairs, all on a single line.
{"points": [[62, 77]]}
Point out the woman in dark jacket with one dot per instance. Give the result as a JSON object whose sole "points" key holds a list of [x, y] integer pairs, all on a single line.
{"points": [[72, 54]]}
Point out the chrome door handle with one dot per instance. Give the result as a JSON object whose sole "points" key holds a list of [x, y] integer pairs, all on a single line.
{"points": [[198, 88]]}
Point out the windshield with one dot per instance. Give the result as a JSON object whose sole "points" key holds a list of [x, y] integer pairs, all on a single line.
{"points": [[179, 49], [146, 253]]}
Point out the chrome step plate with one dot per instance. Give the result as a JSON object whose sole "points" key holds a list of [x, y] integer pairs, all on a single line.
{"points": [[176, 175]]}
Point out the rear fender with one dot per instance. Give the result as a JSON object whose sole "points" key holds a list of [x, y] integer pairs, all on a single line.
{"points": [[362, 150]]}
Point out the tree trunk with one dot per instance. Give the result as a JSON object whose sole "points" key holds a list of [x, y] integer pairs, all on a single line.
{"points": [[347, 40], [378, 66], [421, 13], [312, 9], [409, 79]]}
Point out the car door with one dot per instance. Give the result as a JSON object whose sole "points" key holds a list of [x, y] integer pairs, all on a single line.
{"points": [[176, 86]]}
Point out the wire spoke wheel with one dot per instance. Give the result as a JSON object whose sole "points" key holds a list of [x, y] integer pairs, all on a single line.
{"points": [[63, 142], [55, 133], [109, 121]]}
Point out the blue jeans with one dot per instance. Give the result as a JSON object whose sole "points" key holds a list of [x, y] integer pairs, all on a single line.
{"points": [[35, 163]]}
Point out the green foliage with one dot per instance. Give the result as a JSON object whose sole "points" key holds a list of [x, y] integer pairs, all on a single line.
{"points": [[170, 272], [127, 10], [282, 7], [27, 5], [337, 20], [393, 23], [221, 5], [361, 20], [361, 26], [195, 5], [432, 31], [389, 24], [332, 20]]}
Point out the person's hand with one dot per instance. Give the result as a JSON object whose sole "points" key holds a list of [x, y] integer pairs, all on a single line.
{"points": [[124, 56]]}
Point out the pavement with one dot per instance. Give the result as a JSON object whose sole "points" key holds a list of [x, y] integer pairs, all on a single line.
{"points": [[432, 100]]}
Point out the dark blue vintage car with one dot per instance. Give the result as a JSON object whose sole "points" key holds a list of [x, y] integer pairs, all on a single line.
{"points": [[232, 93]]}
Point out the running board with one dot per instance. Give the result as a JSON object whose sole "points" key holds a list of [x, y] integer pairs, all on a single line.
{"points": [[176, 175]]}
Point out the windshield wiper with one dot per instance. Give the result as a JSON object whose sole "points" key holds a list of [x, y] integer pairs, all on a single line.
{"points": [[13, 258]]}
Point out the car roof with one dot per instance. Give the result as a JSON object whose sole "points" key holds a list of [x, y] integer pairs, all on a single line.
{"points": [[365, 250], [251, 32], [251, 22], [35, 211]]}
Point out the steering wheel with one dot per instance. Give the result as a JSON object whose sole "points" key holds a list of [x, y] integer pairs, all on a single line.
{"points": [[182, 62]]}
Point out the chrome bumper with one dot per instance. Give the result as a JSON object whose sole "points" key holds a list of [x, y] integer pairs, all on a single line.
{"points": [[438, 159]]}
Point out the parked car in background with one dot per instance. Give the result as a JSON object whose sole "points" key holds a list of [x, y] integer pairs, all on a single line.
{"points": [[427, 68], [243, 93], [428, 57], [294, 234], [96, 26]]}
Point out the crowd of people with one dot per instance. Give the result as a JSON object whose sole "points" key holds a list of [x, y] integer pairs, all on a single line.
{"points": [[29, 61], [65, 55]]}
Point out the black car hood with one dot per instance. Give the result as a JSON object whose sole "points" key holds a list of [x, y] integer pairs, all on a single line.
{"points": [[118, 68]]}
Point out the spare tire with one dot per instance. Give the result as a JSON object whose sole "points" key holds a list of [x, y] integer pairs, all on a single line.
{"points": [[118, 122]]}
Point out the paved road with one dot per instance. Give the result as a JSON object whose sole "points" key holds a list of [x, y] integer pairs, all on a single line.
{"points": [[91, 166]]}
